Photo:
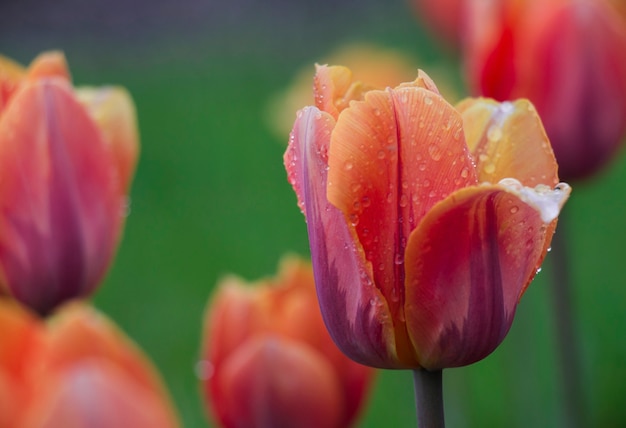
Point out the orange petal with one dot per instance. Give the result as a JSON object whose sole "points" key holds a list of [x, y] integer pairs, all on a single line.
{"points": [[468, 264], [11, 73], [21, 341], [508, 140], [391, 158], [48, 64], [78, 332], [96, 392], [334, 88], [114, 111]]}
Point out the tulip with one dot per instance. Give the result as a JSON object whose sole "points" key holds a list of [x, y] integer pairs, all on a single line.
{"points": [[73, 370], [568, 57], [268, 360], [426, 222], [67, 157]]}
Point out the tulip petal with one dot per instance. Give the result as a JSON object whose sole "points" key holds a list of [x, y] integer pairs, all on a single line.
{"points": [[60, 207], [354, 311], [468, 263], [113, 110], [48, 64], [94, 393], [273, 382], [508, 140], [334, 88], [392, 157], [11, 74]]}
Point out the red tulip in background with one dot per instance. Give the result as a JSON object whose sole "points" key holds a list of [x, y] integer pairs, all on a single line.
{"points": [[76, 370], [67, 157], [426, 222], [268, 360], [569, 58]]}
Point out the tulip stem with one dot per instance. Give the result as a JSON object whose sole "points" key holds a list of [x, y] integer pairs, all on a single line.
{"points": [[564, 320], [429, 398]]}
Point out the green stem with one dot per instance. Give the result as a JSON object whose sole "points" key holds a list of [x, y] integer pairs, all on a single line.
{"points": [[567, 343], [429, 398]]}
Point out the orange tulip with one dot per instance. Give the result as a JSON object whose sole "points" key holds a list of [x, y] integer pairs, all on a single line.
{"points": [[426, 222], [76, 369], [67, 157], [569, 58], [269, 361]]}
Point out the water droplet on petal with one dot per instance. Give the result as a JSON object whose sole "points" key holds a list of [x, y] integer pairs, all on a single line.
{"points": [[514, 209], [489, 168], [348, 166]]}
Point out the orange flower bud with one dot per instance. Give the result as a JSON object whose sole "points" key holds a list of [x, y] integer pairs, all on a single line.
{"points": [[74, 369], [269, 361]]}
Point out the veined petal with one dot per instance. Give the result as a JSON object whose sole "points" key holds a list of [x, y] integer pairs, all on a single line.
{"points": [[355, 313], [468, 263], [114, 111], [59, 201], [391, 158], [508, 140], [334, 88]]}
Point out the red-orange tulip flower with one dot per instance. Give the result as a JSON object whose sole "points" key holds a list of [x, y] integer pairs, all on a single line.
{"points": [[74, 370], [569, 58], [67, 157], [426, 223], [269, 361]]}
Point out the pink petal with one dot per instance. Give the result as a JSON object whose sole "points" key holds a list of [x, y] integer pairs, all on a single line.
{"points": [[468, 263], [355, 314]]}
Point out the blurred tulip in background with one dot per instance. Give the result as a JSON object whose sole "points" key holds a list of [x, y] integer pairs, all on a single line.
{"points": [[569, 58], [76, 370], [268, 361], [67, 157]]}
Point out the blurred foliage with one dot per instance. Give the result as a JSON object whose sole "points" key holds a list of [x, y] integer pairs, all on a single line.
{"points": [[211, 197]]}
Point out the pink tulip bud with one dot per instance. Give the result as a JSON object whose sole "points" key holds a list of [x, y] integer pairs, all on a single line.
{"points": [[66, 161]]}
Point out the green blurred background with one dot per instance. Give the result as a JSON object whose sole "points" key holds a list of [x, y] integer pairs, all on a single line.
{"points": [[210, 196]]}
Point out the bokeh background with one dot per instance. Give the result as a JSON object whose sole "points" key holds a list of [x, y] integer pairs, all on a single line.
{"points": [[210, 196]]}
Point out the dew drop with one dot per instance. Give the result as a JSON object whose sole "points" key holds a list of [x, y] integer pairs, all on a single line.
{"points": [[348, 166], [398, 259], [354, 219], [514, 209], [435, 152], [428, 101], [381, 154], [494, 134], [489, 168], [366, 201], [403, 201], [464, 172]]}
